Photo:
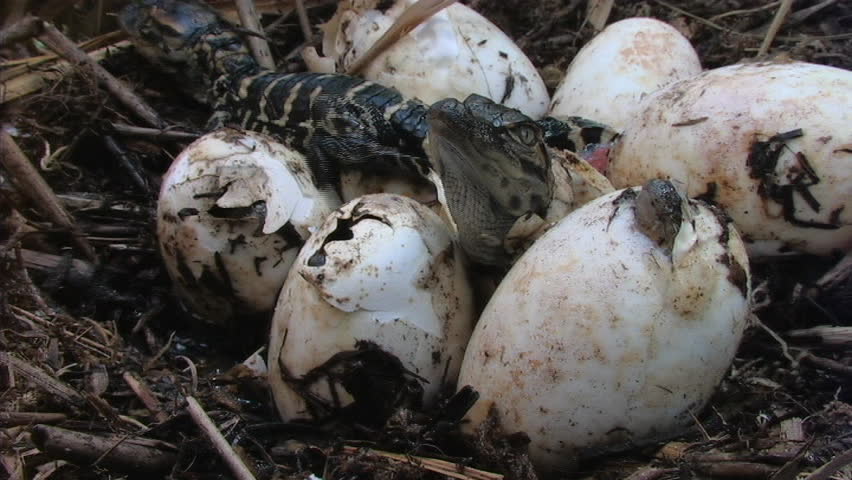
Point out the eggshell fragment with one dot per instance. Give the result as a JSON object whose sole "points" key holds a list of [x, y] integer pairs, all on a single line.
{"points": [[454, 53], [769, 142], [599, 338], [233, 210], [611, 74], [382, 284], [575, 183]]}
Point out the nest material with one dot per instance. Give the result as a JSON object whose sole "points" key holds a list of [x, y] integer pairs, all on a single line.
{"points": [[101, 356]]}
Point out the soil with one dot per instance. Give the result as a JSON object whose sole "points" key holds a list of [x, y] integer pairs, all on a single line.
{"points": [[107, 350]]}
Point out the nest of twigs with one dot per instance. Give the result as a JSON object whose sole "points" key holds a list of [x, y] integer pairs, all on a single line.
{"points": [[103, 375]]}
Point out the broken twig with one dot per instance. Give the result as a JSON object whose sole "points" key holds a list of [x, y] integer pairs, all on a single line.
{"points": [[234, 462], [450, 469], [408, 21], [71, 52], [833, 466], [117, 452], [11, 419], [780, 15], [166, 134], [42, 379], [257, 43], [141, 389], [33, 185], [304, 22]]}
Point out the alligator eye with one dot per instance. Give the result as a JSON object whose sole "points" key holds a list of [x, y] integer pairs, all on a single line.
{"points": [[526, 134]]}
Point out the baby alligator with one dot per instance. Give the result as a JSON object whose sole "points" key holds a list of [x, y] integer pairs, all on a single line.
{"points": [[495, 171]]}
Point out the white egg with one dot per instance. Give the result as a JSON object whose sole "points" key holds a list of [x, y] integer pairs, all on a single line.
{"points": [[379, 290], [233, 210], [769, 142], [601, 337], [626, 61], [453, 54]]}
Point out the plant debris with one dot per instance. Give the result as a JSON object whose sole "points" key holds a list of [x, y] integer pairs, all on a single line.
{"points": [[103, 373]]}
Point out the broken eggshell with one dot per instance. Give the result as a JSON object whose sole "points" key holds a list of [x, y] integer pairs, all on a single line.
{"points": [[454, 53], [601, 336], [376, 311], [233, 210], [575, 183], [611, 74], [768, 142]]}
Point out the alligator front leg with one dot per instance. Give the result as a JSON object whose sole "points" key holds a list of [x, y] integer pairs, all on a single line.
{"points": [[352, 135]]}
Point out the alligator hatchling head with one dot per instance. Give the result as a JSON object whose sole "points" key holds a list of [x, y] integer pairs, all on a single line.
{"points": [[498, 148], [169, 32], [659, 211]]}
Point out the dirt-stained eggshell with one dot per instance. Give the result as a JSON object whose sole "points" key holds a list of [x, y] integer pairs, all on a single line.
{"points": [[454, 53], [769, 142], [599, 338], [233, 210], [379, 288]]}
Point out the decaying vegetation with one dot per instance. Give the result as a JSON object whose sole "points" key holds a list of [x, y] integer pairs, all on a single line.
{"points": [[103, 375]]}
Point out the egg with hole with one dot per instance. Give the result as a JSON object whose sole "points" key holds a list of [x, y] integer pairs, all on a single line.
{"points": [[769, 142], [454, 53], [626, 61], [614, 328], [233, 210], [375, 314]]}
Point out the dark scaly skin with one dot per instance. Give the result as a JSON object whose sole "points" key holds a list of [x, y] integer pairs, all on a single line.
{"points": [[344, 122], [659, 212], [339, 121], [509, 176]]}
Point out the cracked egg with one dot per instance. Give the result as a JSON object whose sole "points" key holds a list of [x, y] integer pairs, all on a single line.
{"points": [[614, 328], [768, 142], [454, 53], [233, 210], [375, 313]]}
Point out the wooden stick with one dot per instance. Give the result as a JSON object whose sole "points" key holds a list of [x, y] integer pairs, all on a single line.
{"points": [[88, 343], [141, 389], [834, 465], [47, 262], [443, 467], [408, 21], [134, 131], [735, 469], [21, 66], [33, 81], [42, 379], [257, 43], [234, 462], [828, 364], [304, 21], [111, 451], [69, 50], [744, 11], [827, 334], [31, 184], [11, 419], [780, 15], [35, 293], [597, 13], [126, 163], [838, 275]]}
